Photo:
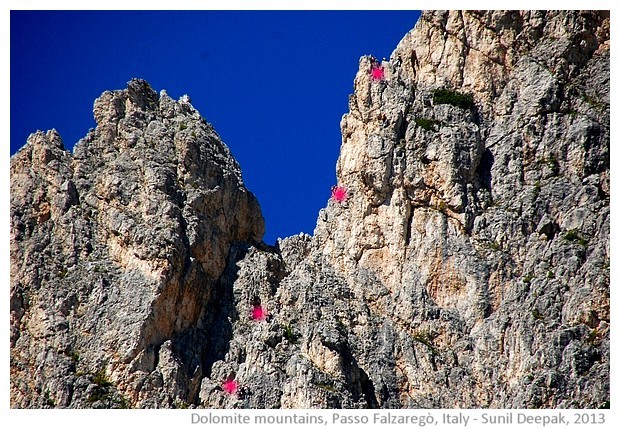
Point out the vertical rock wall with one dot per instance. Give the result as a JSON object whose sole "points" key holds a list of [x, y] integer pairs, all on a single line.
{"points": [[117, 249], [468, 265]]}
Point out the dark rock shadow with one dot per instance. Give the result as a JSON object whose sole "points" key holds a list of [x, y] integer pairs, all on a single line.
{"points": [[359, 384], [221, 312], [208, 341], [484, 170]]}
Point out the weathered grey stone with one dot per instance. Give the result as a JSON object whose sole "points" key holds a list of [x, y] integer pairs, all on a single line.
{"points": [[120, 247], [468, 266]]}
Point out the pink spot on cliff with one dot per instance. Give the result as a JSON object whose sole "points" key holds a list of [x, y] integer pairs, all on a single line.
{"points": [[377, 72], [258, 313], [339, 194], [230, 386]]}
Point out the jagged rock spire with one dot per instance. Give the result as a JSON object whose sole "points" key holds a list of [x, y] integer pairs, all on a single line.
{"points": [[462, 262]]}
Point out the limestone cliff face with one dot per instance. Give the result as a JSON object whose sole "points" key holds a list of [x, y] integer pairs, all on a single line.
{"points": [[467, 267], [117, 249]]}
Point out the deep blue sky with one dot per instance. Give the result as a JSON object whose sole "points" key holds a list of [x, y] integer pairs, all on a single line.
{"points": [[274, 84]]}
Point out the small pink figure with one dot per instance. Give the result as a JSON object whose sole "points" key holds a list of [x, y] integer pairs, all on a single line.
{"points": [[377, 72], [339, 194], [230, 386], [258, 313]]}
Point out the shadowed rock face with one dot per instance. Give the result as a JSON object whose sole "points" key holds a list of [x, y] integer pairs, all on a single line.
{"points": [[117, 251], [468, 266]]}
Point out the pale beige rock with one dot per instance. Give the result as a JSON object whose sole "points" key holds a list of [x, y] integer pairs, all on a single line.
{"points": [[468, 267]]}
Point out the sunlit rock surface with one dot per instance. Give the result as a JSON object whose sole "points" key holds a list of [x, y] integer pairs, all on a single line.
{"points": [[466, 266]]}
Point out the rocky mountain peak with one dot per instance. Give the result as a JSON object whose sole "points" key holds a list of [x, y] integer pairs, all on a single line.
{"points": [[462, 261], [133, 230]]}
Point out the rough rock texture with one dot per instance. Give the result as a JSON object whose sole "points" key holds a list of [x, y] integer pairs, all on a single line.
{"points": [[468, 267], [117, 251]]}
